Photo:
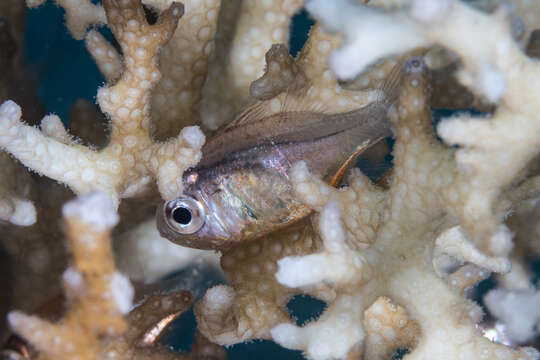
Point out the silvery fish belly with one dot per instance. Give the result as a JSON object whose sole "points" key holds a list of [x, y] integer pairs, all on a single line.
{"points": [[241, 189]]}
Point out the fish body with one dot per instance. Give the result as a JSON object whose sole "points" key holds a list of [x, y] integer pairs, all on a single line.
{"points": [[241, 189]]}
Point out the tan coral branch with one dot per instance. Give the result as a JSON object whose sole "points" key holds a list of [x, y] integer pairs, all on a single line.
{"points": [[388, 329], [99, 295], [105, 55], [184, 66], [246, 30], [126, 166]]}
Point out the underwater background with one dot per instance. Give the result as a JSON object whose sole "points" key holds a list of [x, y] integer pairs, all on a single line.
{"points": [[65, 72]]}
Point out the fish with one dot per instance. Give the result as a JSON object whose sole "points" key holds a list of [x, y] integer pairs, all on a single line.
{"points": [[241, 189]]}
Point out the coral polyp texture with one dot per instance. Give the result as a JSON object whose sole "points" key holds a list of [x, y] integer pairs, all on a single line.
{"points": [[96, 324], [125, 166], [387, 249], [396, 258]]}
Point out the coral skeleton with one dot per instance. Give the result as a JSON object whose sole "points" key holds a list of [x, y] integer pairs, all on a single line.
{"points": [[395, 260], [494, 70], [16, 205], [440, 213], [245, 31], [137, 249], [99, 297], [394, 266], [518, 310], [126, 165]]}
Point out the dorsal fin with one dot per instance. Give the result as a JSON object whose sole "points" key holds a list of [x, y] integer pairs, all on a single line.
{"points": [[287, 101], [292, 100], [392, 84], [253, 113]]}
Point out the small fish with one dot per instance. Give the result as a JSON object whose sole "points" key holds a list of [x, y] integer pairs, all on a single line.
{"points": [[241, 188]]}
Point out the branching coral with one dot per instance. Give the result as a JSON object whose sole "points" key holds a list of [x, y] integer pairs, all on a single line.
{"points": [[518, 310], [38, 256], [184, 66], [525, 18], [514, 303], [125, 166], [182, 78], [16, 184], [368, 234], [245, 31], [37, 253], [255, 302], [105, 55], [392, 263], [80, 14], [99, 295], [384, 323], [402, 213], [35, 261], [307, 84], [398, 263], [94, 326], [495, 70]]}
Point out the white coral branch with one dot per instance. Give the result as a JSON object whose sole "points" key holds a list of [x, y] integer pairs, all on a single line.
{"points": [[332, 336], [453, 242], [105, 55], [519, 310], [52, 126], [361, 45], [336, 264], [359, 222], [95, 209], [495, 150], [126, 166], [68, 163]]}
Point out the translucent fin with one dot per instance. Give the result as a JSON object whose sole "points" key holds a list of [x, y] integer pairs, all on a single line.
{"points": [[252, 114], [294, 101], [338, 177], [289, 102], [389, 89], [301, 102]]}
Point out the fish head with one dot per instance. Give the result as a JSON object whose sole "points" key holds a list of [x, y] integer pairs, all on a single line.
{"points": [[191, 221]]}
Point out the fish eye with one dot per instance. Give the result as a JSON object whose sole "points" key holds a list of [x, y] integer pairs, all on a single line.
{"points": [[182, 215], [185, 215]]}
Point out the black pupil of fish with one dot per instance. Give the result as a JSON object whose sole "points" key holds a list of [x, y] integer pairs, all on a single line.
{"points": [[182, 215]]}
